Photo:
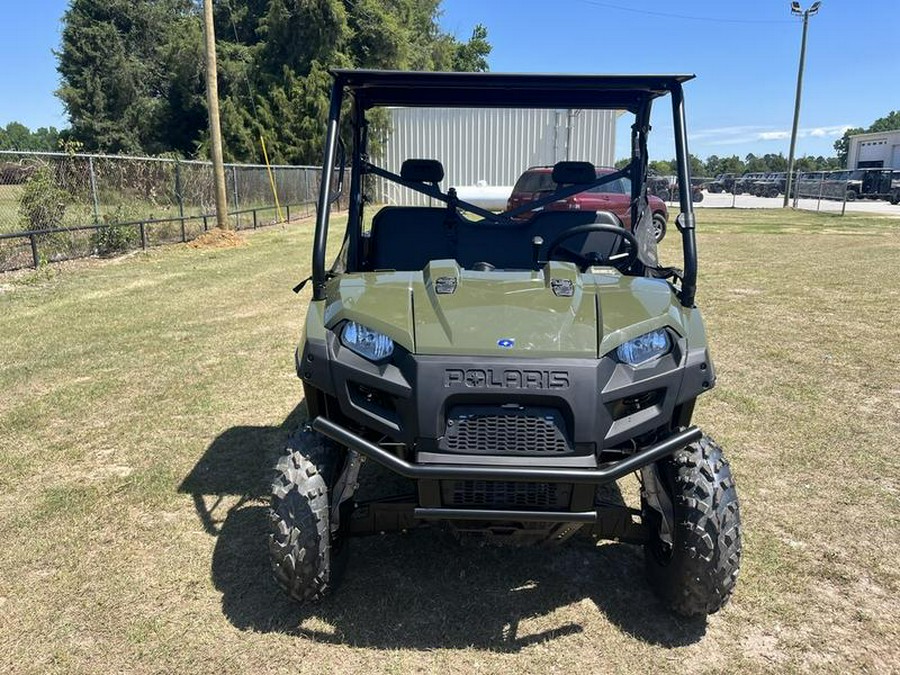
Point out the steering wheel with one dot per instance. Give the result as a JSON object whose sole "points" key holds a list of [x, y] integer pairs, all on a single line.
{"points": [[621, 261]]}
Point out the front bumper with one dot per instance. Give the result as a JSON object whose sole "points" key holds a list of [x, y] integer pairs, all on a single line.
{"points": [[565, 411], [607, 473], [579, 507]]}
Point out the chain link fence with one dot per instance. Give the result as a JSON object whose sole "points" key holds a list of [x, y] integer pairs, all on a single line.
{"points": [[836, 192], [57, 206]]}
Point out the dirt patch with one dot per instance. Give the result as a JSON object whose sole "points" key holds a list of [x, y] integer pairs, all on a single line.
{"points": [[763, 646], [217, 238]]}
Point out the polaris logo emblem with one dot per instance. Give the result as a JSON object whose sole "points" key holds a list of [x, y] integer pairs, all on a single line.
{"points": [[506, 343], [506, 378]]}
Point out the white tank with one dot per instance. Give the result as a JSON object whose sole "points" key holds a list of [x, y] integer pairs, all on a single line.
{"points": [[491, 197]]}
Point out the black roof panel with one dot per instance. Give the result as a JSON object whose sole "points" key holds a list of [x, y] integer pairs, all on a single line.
{"points": [[505, 90]]}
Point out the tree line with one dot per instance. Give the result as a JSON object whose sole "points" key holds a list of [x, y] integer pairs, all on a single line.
{"points": [[714, 165], [132, 78], [16, 136]]}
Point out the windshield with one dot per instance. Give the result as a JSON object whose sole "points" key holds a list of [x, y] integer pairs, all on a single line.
{"points": [[440, 182]]}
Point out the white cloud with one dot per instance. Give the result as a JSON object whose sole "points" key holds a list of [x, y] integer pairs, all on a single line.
{"points": [[817, 132], [738, 135]]}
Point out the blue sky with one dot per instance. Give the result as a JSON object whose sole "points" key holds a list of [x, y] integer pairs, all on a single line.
{"points": [[744, 54]]}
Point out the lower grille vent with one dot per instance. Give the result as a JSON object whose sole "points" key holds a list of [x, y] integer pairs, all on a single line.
{"points": [[506, 495]]}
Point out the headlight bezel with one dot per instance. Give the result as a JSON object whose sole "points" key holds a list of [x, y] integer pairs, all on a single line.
{"points": [[366, 342], [646, 348]]}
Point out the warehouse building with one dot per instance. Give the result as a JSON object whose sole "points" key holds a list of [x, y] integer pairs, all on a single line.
{"points": [[874, 151], [491, 148]]}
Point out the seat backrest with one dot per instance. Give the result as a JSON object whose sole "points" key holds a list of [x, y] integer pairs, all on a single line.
{"points": [[510, 247], [408, 237]]}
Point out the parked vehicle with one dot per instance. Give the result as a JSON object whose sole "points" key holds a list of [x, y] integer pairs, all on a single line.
{"points": [[851, 184], [809, 184], [667, 188], [614, 196], [878, 183], [661, 186], [506, 369], [742, 184], [697, 186], [841, 184], [770, 185], [724, 182]]}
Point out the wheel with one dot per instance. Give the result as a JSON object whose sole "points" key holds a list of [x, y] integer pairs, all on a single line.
{"points": [[851, 195], [895, 198], [307, 559], [665, 195], [697, 196], [696, 575], [659, 226]]}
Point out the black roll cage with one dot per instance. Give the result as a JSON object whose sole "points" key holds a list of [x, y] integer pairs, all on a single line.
{"points": [[371, 88]]}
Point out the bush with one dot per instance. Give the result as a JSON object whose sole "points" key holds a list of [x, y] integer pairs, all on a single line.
{"points": [[111, 238], [43, 203]]}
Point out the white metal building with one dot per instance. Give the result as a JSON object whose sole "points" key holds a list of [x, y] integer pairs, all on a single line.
{"points": [[874, 150], [493, 146]]}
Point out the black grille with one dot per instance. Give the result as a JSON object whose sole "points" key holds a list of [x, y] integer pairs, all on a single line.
{"points": [[505, 430], [506, 495]]}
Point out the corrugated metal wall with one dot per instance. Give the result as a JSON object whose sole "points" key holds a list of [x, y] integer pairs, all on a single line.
{"points": [[492, 145]]}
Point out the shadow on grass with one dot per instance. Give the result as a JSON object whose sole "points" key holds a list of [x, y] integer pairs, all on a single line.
{"points": [[420, 590]]}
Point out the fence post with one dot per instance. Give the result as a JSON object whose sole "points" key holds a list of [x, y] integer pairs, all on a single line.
{"points": [[205, 224], [143, 236], [94, 197], [180, 198], [287, 208], [844, 205], [237, 206], [254, 219], [306, 199], [34, 250], [821, 184]]}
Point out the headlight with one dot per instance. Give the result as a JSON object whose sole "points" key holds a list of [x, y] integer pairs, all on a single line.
{"points": [[366, 342], [645, 348]]}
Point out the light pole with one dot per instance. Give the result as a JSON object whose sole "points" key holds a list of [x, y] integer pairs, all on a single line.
{"points": [[795, 10]]}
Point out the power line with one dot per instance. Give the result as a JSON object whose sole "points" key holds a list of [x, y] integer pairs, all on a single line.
{"points": [[682, 16]]}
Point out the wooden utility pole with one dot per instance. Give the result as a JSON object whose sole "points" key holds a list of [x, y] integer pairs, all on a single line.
{"points": [[215, 128]]}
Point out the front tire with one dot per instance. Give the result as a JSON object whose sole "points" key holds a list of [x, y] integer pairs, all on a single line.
{"points": [[659, 226], [696, 575], [307, 559]]}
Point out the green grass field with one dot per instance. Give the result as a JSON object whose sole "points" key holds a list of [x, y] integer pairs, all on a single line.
{"points": [[143, 399], [9, 207]]}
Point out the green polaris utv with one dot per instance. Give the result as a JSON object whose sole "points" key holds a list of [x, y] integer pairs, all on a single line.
{"points": [[509, 365]]}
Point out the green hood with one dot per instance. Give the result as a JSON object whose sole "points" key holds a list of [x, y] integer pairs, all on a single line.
{"points": [[489, 311]]}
